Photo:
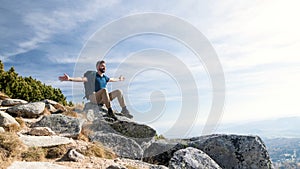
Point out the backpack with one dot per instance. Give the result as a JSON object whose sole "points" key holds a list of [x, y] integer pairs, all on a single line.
{"points": [[89, 86]]}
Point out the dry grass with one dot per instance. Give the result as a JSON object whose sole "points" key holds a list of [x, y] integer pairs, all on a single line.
{"points": [[33, 154], [13, 128], [130, 167], [56, 152], [21, 122], [3, 96], [10, 148], [46, 112], [85, 133], [98, 150], [78, 106], [70, 113]]}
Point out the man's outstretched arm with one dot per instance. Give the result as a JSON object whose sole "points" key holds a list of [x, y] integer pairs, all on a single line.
{"points": [[121, 78], [66, 77]]}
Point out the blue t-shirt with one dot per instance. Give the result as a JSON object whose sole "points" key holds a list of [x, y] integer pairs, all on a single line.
{"points": [[100, 82]]}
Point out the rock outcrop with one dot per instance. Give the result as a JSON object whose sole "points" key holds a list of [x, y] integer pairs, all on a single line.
{"points": [[228, 151], [122, 146], [191, 158], [7, 120], [61, 124], [161, 151], [29, 110], [127, 138], [125, 127], [12, 102], [234, 151]]}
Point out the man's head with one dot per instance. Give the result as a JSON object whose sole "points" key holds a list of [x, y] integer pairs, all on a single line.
{"points": [[101, 66]]}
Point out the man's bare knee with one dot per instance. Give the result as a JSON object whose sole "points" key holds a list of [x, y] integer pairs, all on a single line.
{"points": [[119, 92], [104, 90]]}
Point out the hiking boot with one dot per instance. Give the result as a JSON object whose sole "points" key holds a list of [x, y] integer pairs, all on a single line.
{"points": [[126, 113], [111, 114]]}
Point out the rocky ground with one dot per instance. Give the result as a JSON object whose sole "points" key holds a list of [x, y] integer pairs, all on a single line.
{"points": [[47, 134]]}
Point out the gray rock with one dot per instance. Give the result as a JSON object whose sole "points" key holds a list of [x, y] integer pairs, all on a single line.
{"points": [[102, 126], [41, 131], [192, 158], [116, 167], [158, 167], [2, 130], [73, 155], [97, 111], [94, 106], [30, 110], [61, 124], [6, 120], [44, 141], [141, 133], [13, 102], [161, 151], [32, 165], [90, 115], [122, 146], [234, 151]]}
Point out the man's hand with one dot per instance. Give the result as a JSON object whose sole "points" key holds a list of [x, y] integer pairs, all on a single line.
{"points": [[65, 77], [121, 78]]}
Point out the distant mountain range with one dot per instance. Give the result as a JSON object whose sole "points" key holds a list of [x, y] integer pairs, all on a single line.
{"points": [[288, 127]]}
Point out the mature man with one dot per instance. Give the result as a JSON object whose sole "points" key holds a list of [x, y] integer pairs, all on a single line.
{"points": [[101, 95]]}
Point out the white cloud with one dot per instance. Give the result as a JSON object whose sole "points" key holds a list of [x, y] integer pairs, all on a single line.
{"points": [[45, 23]]}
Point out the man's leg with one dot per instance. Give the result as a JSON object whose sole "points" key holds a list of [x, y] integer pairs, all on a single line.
{"points": [[102, 96], [119, 95]]}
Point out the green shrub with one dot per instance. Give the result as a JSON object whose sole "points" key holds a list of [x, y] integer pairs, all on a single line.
{"points": [[27, 88]]}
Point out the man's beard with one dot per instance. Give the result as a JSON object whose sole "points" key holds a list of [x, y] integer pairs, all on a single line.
{"points": [[102, 70]]}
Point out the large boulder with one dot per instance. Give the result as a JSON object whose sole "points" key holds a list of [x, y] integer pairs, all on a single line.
{"points": [[61, 124], [30, 110], [161, 151], [234, 151], [7, 120], [141, 133], [122, 146], [192, 158], [13, 102]]}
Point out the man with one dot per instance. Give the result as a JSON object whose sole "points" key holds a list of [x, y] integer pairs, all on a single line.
{"points": [[101, 95]]}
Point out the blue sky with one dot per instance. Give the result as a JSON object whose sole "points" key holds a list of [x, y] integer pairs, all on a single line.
{"points": [[257, 43]]}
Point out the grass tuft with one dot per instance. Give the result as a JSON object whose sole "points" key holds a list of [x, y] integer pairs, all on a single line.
{"points": [[13, 128], [21, 122], [33, 154], [10, 148], [46, 112], [56, 152], [70, 113], [3, 96], [98, 150]]}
